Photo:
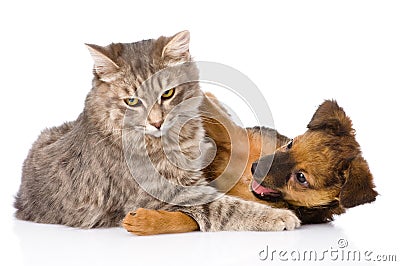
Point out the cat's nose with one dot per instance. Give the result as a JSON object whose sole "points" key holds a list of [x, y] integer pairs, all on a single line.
{"points": [[157, 124]]}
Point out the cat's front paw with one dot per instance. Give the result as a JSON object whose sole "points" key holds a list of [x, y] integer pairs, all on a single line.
{"points": [[279, 220]]}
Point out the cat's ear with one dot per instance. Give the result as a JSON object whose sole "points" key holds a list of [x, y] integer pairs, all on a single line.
{"points": [[177, 48], [104, 66]]}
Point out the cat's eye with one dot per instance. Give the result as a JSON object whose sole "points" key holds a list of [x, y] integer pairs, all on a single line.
{"points": [[168, 94], [133, 102]]}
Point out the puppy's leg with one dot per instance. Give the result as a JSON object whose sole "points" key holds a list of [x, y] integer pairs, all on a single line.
{"points": [[151, 222]]}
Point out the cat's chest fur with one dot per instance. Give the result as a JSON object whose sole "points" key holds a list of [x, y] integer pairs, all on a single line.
{"points": [[175, 158], [106, 174]]}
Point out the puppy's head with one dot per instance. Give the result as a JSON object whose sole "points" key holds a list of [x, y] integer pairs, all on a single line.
{"points": [[319, 173]]}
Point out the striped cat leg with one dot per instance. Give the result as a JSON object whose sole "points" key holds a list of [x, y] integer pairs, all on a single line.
{"points": [[233, 214], [224, 214]]}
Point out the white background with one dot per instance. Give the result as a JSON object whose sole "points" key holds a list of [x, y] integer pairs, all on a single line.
{"points": [[297, 52]]}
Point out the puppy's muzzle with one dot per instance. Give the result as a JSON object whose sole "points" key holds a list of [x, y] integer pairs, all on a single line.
{"points": [[277, 167], [260, 168]]}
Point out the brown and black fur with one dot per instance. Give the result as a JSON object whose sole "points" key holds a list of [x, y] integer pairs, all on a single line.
{"points": [[328, 155]]}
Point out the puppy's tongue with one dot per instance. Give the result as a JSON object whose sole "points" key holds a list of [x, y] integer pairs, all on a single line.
{"points": [[257, 188]]}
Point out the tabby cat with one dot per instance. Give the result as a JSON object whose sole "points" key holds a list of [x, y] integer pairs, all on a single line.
{"points": [[139, 143]]}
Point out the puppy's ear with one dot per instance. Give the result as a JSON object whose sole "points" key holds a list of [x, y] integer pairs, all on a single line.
{"points": [[331, 118], [358, 187]]}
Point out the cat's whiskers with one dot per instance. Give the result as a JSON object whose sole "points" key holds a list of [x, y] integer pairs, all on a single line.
{"points": [[109, 133], [103, 139], [105, 131], [116, 139]]}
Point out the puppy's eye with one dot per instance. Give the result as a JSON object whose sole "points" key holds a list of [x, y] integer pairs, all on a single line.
{"points": [[133, 102], [301, 178], [289, 145], [168, 94]]}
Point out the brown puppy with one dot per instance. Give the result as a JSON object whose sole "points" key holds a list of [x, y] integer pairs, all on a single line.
{"points": [[318, 174]]}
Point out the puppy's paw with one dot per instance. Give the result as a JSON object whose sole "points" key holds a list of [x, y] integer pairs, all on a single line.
{"points": [[279, 220], [142, 222]]}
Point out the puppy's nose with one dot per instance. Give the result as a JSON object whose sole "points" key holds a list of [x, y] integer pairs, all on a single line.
{"points": [[253, 168], [260, 168]]}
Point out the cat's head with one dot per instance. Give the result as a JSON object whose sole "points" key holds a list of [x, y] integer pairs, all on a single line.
{"points": [[146, 81]]}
